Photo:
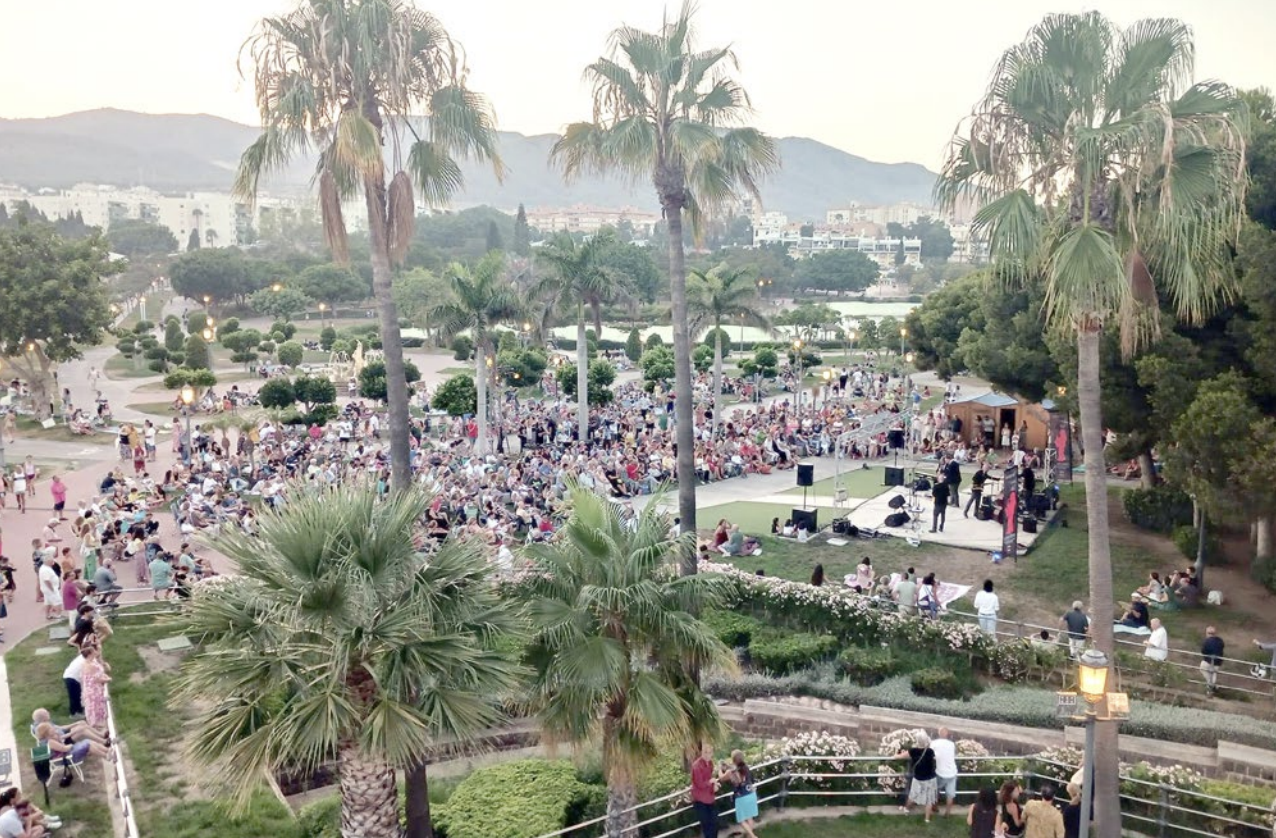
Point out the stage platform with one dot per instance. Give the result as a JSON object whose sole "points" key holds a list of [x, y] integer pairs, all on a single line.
{"points": [[967, 533]]}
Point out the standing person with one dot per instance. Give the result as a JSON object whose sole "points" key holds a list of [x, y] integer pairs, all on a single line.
{"points": [[977, 482], [20, 489], [72, 677], [1040, 817], [982, 815], [94, 678], [987, 605], [148, 439], [1078, 627], [939, 493], [1072, 812], [703, 792], [952, 476], [1211, 658], [50, 588], [1158, 642], [58, 489], [922, 791], [906, 593], [743, 795], [30, 472], [945, 768], [1009, 813], [71, 596]]}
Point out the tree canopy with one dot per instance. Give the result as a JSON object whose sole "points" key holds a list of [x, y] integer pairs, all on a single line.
{"points": [[332, 284], [223, 274], [135, 237], [836, 272]]}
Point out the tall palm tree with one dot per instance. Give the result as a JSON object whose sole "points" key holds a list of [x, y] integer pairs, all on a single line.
{"points": [[668, 111], [1101, 166], [338, 640], [615, 645], [722, 295], [481, 300], [342, 77], [578, 278]]}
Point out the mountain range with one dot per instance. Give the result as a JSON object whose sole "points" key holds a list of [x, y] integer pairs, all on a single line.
{"points": [[179, 152]]}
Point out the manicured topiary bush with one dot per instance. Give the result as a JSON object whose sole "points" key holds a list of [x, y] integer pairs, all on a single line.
{"points": [[783, 652], [520, 799]]}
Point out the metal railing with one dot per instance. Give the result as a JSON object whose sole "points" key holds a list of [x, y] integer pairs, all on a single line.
{"points": [[122, 792], [1143, 803]]}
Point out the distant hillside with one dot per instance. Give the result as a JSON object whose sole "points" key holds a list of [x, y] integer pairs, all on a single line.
{"points": [[198, 151]]}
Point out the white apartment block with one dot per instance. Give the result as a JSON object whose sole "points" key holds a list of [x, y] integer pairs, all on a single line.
{"points": [[881, 250], [968, 247], [220, 219], [904, 213], [586, 219]]}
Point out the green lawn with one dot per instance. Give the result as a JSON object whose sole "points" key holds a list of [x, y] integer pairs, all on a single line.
{"points": [[162, 409], [170, 797], [860, 482], [29, 428], [117, 366], [867, 826], [753, 518]]}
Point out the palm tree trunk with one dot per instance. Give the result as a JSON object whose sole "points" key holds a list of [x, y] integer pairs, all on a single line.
{"points": [[1263, 537], [582, 375], [417, 805], [480, 382], [396, 384], [622, 796], [369, 799], [1107, 807], [717, 374], [1147, 470], [685, 432]]}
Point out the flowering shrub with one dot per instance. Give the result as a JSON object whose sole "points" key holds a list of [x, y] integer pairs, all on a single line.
{"points": [[803, 773], [1013, 660], [854, 618], [889, 778]]}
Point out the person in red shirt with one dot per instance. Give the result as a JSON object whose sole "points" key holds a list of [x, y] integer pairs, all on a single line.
{"points": [[704, 786]]}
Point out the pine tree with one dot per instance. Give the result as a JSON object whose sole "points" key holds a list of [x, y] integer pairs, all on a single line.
{"points": [[494, 241], [522, 234], [193, 242]]}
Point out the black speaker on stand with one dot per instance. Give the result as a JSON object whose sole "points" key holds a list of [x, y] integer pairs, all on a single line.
{"points": [[806, 474], [894, 476], [806, 518]]}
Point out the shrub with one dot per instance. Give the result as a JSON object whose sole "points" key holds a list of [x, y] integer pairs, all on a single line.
{"points": [[781, 652], [633, 346], [711, 336], [291, 353], [462, 348], [731, 627], [321, 819], [1161, 508], [286, 327], [196, 321], [867, 666], [657, 364], [519, 799], [1014, 659], [457, 396], [412, 343], [372, 379], [936, 683], [197, 355], [327, 337], [702, 358], [1185, 538], [229, 325], [653, 340], [277, 394]]}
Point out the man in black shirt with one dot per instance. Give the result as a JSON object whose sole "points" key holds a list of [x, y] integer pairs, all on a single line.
{"points": [[1211, 659], [940, 495], [976, 491]]}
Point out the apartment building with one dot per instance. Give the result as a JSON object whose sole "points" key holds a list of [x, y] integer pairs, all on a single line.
{"points": [[589, 219]]}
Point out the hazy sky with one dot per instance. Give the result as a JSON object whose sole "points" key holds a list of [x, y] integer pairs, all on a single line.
{"points": [[885, 80]]}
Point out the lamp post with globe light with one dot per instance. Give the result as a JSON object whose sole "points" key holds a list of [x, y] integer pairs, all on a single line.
{"points": [[797, 353], [188, 397], [1093, 668]]}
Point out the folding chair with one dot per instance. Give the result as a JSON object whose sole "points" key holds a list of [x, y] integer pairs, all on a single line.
{"points": [[6, 766]]}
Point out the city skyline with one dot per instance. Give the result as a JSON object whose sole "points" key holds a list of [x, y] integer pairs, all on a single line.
{"points": [[865, 79]]}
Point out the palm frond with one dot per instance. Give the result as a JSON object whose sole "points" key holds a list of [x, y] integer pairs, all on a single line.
{"points": [[434, 172]]}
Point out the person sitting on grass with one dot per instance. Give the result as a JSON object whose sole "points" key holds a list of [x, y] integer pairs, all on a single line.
{"points": [[22, 822]]}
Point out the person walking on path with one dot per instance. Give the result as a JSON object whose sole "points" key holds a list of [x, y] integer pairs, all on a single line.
{"points": [[1211, 658], [1078, 627], [58, 489]]}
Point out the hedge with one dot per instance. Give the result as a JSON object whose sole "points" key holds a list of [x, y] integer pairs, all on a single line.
{"points": [[520, 799], [1024, 706], [1160, 508], [780, 652]]}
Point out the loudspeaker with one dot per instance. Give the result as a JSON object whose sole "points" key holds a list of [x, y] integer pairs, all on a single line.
{"points": [[894, 476], [842, 526], [897, 519], [806, 474], [895, 439], [922, 485], [1029, 524], [896, 502], [805, 518]]}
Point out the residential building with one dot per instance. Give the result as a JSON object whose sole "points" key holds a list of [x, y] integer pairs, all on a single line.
{"points": [[588, 219]]}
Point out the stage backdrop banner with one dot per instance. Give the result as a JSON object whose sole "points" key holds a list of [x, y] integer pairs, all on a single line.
{"points": [[1010, 503], [1060, 447]]}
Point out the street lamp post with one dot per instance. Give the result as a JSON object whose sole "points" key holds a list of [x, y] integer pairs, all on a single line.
{"points": [[797, 353], [903, 333], [188, 397], [1093, 667], [323, 318], [828, 386]]}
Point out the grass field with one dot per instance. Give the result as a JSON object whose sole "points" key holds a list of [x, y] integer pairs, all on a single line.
{"points": [[859, 481], [171, 798]]}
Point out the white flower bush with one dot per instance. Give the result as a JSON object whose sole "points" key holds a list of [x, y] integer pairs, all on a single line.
{"points": [[889, 778], [816, 744]]}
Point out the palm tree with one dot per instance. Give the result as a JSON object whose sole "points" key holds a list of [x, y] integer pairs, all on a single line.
{"points": [[667, 111], [578, 278], [615, 645], [342, 77], [1101, 167], [338, 640], [720, 296], [481, 300]]}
